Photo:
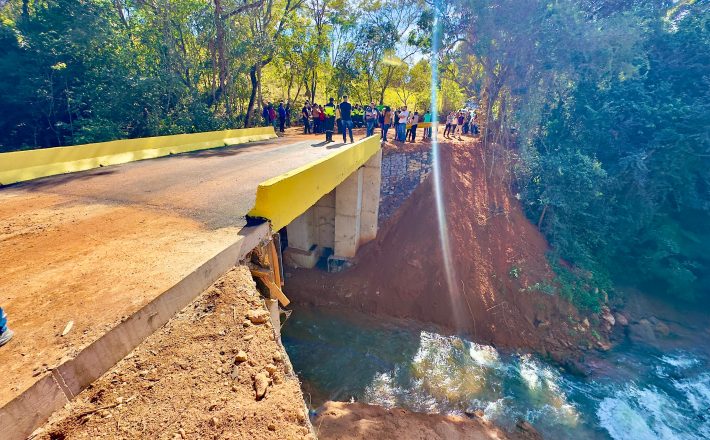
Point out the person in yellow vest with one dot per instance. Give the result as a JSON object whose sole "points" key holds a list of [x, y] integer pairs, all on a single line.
{"points": [[329, 110]]}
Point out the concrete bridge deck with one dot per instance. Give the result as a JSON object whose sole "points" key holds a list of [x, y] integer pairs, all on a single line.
{"points": [[94, 247]]}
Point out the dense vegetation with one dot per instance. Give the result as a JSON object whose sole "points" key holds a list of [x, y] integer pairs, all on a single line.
{"points": [[77, 71], [610, 106]]}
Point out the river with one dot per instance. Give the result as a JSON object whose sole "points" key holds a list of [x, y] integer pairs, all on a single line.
{"points": [[634, 392]]}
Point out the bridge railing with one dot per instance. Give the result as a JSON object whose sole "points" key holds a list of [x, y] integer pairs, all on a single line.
{"points": [[18, 166]]}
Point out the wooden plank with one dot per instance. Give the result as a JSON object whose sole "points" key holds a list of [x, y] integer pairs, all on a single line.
{"points": [[275, 290], [275, 263]]}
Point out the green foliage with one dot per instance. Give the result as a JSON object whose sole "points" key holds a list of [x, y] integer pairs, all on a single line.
{"points": [[78, 71], [514, 272], [583, 288], [620, 165], [610, 106]]}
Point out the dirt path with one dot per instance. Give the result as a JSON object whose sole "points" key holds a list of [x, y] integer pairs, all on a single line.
{"points": [[188, 380], [93, 247]]}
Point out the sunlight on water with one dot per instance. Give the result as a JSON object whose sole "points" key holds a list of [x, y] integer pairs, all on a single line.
{"points": [[429, 372]]}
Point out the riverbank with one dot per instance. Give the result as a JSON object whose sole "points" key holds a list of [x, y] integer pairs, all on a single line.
{"points": [[499, 288], [358, 421]]}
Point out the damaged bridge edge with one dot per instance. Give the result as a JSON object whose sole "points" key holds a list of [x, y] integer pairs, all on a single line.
{"points": [[28, 411]]}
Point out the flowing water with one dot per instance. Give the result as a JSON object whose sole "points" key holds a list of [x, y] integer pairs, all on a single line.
{"points": [[634, 392]]}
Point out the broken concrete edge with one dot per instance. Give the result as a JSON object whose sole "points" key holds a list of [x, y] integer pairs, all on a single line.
{"points": [[28, 411]]}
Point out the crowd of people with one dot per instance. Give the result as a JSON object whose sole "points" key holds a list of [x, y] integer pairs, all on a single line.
{"points": [[319, 119], [279, 118], [461, 122]]}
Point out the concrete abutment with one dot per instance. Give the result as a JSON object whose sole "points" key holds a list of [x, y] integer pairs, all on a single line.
{"points": [[341, 221]]}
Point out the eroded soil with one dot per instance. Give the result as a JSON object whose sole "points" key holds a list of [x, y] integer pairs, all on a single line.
{"points": [[190, 379]]}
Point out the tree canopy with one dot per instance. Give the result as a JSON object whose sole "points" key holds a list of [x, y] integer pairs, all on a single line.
{"points": [[78, 71], [603, 108]]}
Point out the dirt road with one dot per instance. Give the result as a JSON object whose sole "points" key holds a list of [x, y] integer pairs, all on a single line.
{"points": [[93, 247]]}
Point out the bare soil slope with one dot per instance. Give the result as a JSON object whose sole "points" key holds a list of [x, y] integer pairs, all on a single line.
{"points": [[497, 257], [188, 380]]}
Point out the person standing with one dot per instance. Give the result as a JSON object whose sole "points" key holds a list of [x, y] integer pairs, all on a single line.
{"points": [[5, 333], [329, 123], [305, 116], [449, 119], [387, 119], [272, 116], [316, 118], [288, 114], [321, 119], [427, 130], [414, 121], [265, 115], [370, 119], [459, 124], [346, 118], [282, 116], [402, 124]]}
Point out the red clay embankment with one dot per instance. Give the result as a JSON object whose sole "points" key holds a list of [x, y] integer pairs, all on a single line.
{"points": [[497, 257]]}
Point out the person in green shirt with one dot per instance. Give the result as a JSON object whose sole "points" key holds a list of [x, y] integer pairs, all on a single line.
{"points": [[427, 130]]}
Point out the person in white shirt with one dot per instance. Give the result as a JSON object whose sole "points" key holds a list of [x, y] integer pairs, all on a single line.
{"points": [[402, 124], [449, 120]]}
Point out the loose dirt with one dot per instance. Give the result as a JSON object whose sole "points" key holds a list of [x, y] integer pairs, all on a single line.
{"points": [[88, 263], [497, 258], [358, 421], [197, 377]]}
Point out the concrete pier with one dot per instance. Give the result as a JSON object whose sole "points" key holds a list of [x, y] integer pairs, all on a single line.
{"points": [[342, 220]]}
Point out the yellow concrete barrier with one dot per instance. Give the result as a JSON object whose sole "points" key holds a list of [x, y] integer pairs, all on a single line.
{"points": [[283, 198], [422, 125], [18, 166]]}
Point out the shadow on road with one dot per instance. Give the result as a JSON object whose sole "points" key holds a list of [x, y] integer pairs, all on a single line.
{"points": [[332, 146]]}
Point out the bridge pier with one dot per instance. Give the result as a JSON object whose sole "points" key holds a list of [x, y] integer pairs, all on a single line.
{"points": [[342, 220]]}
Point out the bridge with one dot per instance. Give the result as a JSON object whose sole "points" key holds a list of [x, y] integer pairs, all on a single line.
{"points": [[101, 247]]}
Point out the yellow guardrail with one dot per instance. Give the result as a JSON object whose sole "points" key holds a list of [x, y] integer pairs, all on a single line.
{"points": [[422, 125], [18, 166], [283, 198]]}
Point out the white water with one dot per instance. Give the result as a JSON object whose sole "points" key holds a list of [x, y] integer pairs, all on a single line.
{"points": [[643, 396]]}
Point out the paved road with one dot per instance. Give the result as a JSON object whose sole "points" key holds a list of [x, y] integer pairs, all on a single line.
{"points": [[215, 187], [95, 246]]}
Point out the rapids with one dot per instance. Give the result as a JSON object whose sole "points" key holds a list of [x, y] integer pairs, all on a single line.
{"points": [[633, 393]]}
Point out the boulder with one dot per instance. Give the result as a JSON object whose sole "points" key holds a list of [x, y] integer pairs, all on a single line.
{"points": [[642, 332], [527, 430], [662, 329], [475, 413], [621, 319], [608, 317]]}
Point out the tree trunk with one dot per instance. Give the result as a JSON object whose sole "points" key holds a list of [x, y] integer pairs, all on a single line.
{"points": [[221, 56], [542, 217], [254, 87]]}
